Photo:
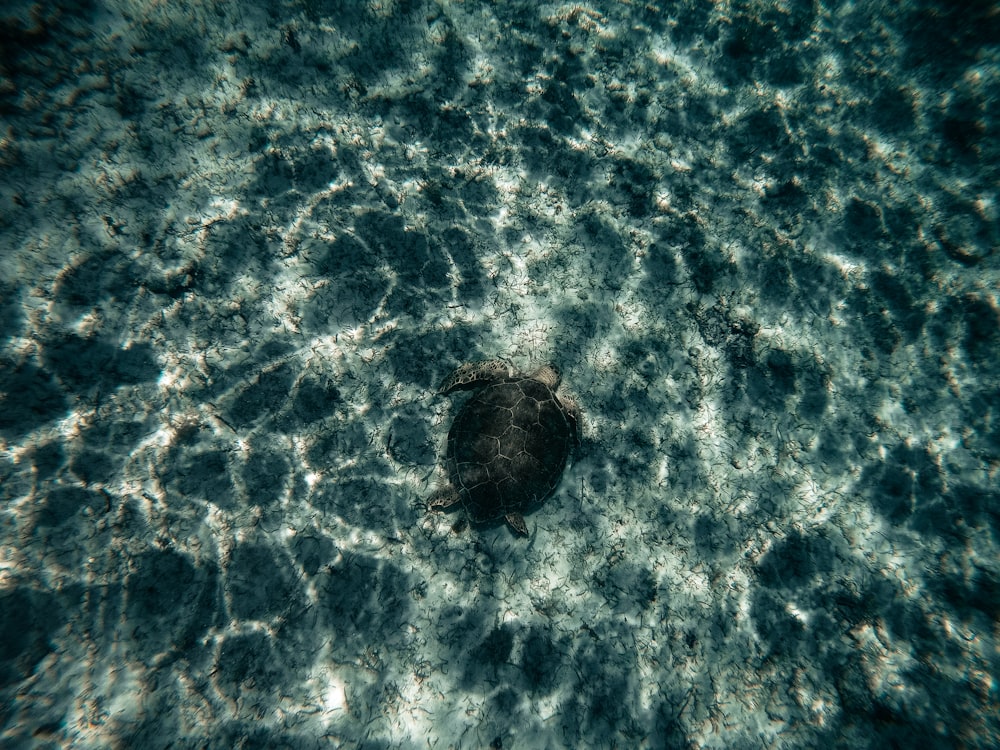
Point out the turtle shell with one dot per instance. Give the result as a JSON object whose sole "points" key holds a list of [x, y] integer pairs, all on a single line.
{"points": [[508, 447]]}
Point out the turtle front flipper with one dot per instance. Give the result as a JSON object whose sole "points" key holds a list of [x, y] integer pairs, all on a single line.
{"points": [[575, 416], [516, 521], [444, 498], [476, 374]]}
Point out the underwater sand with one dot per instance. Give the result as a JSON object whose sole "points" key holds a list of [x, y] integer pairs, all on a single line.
{"points": [[241, 244]]}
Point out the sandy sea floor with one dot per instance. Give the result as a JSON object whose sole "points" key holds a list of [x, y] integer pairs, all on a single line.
{"points": [[241, 244]]}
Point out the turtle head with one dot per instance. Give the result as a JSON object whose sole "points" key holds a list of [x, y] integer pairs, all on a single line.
{"points": [[549, 375]]}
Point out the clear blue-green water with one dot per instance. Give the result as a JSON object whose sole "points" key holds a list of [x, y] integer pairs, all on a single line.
{"points": [[241, 244]]}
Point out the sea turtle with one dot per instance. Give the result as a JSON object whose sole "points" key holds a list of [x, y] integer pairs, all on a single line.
{"points": [[509, 443]]}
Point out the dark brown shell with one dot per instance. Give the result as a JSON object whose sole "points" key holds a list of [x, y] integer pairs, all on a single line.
{"points": [[508, 447]]}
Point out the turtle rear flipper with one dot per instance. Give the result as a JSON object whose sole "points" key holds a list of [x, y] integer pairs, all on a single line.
{"points": [[516, 521], [476, 374]]}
